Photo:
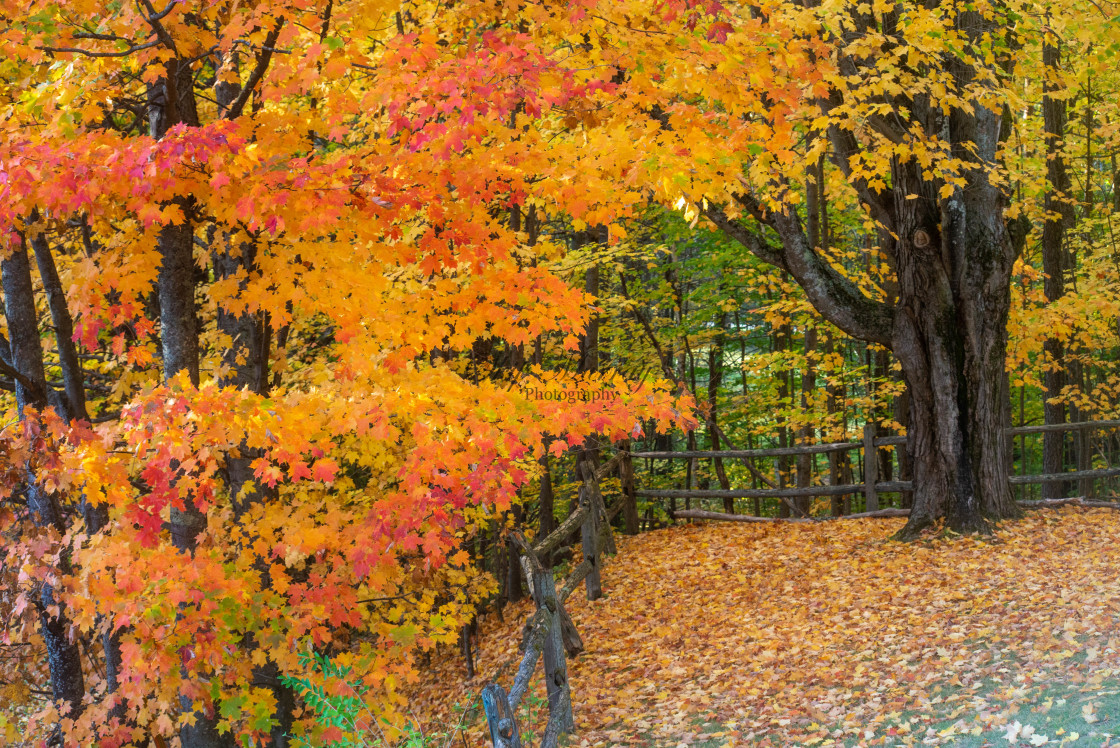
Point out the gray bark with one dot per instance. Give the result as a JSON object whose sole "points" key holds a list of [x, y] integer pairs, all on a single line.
{"points": [[1058, 218], [73, 385], [96, 517], [24, 356], [590, 531], [948, 328], [171, 102], [555, 663]]}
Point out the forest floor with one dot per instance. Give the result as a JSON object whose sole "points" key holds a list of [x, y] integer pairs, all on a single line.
{"points": [[831, 634]]}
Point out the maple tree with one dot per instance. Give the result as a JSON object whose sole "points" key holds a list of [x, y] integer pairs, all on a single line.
{"points": [[270, 235], [284, 282], [907, 102]]}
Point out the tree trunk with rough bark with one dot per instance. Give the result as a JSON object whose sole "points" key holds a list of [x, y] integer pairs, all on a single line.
{"points": [[171, 102], [1058, 217], [23, 357], [952, 260], [96, 517]]}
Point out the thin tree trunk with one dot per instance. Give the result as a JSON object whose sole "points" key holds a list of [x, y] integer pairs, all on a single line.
{"points": [[1058, 215], [806, 432], [96, 516], [782, 339], [630, 499], [814, 192], [514, 590], [24, 357], [715, 379], [546, 503], [902, 416]]}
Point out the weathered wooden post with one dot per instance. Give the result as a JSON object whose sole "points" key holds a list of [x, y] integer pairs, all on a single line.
{"points": [[870, 468], [550, 630], [630, 500], [590, 531], [502, 721], [555, 664]]}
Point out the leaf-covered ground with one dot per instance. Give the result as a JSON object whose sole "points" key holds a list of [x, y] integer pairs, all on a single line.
{"points": [[831, 634]]}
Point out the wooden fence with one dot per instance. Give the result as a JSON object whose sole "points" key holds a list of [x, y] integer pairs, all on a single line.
{"points": [[871, 487], [551, 635]]}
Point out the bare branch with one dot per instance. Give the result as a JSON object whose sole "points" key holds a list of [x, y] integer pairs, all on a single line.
{"points": [[88, 53], [255, 77]]}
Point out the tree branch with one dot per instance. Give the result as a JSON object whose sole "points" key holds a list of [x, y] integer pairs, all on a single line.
{"points": [[263, 60], [837, 298], [87, 53], [154, 21]]}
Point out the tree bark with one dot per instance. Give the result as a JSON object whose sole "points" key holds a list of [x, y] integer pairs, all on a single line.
{"points": [[96, 517], [783, 338], [948, 326], [245, 366], [546, 502], [630, 499], [1058, 217], [805, 435], [24, 356], [715, 380], [171, 102]]}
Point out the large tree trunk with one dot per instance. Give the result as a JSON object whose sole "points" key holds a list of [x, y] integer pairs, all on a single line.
{"points": [[950, 335], [953, 259]]}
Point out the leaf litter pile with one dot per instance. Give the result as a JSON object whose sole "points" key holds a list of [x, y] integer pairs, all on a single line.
{"points": [[832, 634]]}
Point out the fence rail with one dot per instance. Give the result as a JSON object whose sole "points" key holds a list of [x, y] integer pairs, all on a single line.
{"points": [[871, 486]]}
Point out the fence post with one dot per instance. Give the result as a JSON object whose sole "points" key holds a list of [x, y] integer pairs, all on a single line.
{"points": [[555, 664], [590, 531], [870, 469], [502, 722]]}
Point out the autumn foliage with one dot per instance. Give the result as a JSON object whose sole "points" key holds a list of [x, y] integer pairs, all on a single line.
{"points": [[342, 194], [288, 283]]}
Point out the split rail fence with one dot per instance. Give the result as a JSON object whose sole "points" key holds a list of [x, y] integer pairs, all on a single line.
{"points": [[871, 487], [549, 632]]}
